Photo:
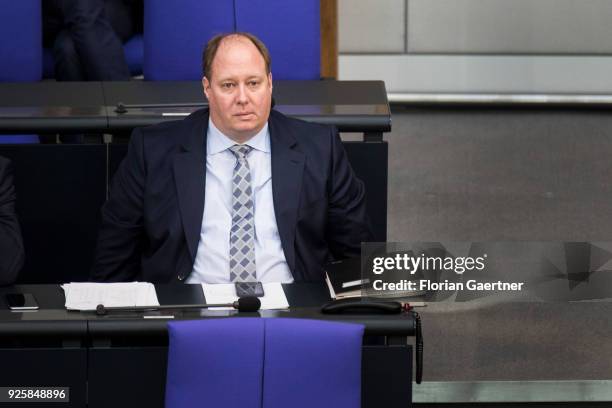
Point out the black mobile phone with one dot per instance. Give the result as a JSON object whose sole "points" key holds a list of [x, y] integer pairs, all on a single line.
{"points": [[21, 301], [249, 289]]}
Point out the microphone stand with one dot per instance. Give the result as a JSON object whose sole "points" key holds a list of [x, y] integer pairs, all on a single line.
{"points": [[162, 307], [244, 304]]}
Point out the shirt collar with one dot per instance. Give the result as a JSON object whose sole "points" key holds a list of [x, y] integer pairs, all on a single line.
{"points": [[217, 142]]}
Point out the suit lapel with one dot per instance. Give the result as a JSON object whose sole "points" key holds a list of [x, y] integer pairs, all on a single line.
{"points": [[287, 169], [189, 166]]}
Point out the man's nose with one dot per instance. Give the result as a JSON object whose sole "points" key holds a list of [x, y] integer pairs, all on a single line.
{"points": [[242, 95]]}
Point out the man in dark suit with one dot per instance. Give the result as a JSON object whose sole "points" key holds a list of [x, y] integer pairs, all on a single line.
{"points": [[236, 192], [11, 246]]}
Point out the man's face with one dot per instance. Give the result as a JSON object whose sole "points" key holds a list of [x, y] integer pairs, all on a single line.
{"points": [[240, 91]]}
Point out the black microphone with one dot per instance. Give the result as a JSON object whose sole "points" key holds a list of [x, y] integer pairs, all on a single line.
{"points": [[244, 304], [247, 304]]}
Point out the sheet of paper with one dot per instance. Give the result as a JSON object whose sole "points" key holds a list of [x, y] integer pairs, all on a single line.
{"points": [[87, 295], [274, 295]]}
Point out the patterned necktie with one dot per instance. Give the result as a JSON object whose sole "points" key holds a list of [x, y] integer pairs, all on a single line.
{"points": [[242, 234]]}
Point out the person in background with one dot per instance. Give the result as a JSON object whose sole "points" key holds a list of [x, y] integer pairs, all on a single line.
{"points": [[11, 245], [87, 37]]}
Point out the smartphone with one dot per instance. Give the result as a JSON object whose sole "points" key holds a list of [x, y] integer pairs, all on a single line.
{"points": [[21, 301], [249, 289]]}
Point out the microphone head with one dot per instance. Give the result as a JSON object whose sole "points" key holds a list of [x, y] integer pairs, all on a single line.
{"points": [[100, 310], [248, 304]]}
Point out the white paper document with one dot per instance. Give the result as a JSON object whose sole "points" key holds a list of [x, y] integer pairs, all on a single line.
{"points": [[87, 295], [274, 295]]}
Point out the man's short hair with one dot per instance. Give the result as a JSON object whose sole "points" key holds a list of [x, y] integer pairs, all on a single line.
{"points": [[213, 45]]}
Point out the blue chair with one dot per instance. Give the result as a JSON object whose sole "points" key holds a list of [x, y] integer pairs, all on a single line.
{"points": [[291, 31], [175, 34], [263, 363], [21, 49], [21, 45], [312, 363]]}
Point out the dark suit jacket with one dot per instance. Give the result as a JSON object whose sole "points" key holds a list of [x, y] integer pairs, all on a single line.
{"points": [[151, 223], [11, 245]]}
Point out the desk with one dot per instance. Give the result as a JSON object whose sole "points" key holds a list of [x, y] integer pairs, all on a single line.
{"points": [[120, 360], [51, 107], [77, 107], [352, 106]]}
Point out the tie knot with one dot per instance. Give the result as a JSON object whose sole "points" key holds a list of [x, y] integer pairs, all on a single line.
{"points": [[241, 151]]}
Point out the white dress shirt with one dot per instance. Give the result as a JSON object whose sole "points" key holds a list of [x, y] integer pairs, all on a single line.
{"points": [[212, 259]]}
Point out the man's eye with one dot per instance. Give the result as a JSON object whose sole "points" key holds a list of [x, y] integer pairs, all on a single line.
{"points": [[253, 83], [227, 85]]}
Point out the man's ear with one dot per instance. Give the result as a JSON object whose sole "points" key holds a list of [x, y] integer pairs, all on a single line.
{"points": [[205, 85], [270, 79]]}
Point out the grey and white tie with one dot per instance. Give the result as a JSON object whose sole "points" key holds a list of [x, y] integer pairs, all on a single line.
{"points": [[242, 233]]}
